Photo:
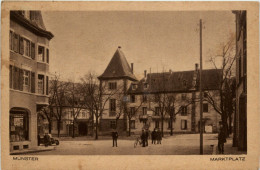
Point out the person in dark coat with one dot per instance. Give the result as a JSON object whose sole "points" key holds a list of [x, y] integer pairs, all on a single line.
{"points": [[221, 139], [143, 137], [154, 136], [159, 137], [114, 137]]}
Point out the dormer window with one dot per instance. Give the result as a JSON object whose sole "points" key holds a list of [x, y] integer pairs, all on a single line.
{"points": [[112, 85]]}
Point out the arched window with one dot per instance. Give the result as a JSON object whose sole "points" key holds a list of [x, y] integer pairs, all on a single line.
{"points": [[19, 125]]}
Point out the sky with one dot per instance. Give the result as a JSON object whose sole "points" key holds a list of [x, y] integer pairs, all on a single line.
{"points": [[158, 40]]}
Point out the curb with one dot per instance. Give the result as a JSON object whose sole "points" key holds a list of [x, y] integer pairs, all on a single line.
{"points": [[31, 151]]}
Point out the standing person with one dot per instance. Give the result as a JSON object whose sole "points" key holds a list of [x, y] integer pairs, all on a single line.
{"points": [[159, 137], [143, 138], [146, 137], [154, 136], [221, 139], [114, 136]]}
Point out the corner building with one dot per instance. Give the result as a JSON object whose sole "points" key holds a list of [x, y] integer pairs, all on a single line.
{"points": [[28, 77]]}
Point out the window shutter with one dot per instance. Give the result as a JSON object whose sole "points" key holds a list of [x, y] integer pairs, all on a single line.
{"points": [[32, 82], [47, 85], [11, 40], [16, 42], [11, 76], [21, 45], [16, 78], [21, 79], [32, 50]]}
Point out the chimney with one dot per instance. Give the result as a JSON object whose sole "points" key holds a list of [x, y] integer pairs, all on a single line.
{"points": [[196, 66], [144, 73], [170, 71], [132, 67], [119, 46]]}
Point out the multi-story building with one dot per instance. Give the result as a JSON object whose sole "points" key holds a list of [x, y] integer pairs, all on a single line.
{"points": [[240, 121], [82, 126], [116, 80], [140, 98], [28, 76]]}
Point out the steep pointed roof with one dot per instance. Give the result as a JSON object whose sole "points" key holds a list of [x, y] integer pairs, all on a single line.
{"points": [[118, 67]]}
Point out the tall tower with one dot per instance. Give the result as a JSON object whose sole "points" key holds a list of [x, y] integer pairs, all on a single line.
{"points": [[117, 77]]}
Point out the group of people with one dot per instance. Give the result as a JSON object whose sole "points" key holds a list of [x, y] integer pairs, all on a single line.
{"points": [[156, 137]]}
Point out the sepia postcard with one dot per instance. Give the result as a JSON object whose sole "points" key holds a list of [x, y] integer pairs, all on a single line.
{"points": [[130, 85]]}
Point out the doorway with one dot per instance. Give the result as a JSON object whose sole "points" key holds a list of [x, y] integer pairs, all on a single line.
{"points": [[83, 128]]}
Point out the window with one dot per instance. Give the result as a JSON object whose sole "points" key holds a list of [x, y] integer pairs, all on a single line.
{"points": [[113, 124], [11, 76], [19, 126], [205, 94], [83, 114], [40, 84], [144, 98], [205, 107], [157, 111], [132, 124], [40, 53], [183, 124], [26, 80], [26, 45], [132, 98], [112, 85], [157, 124], [47, 55], [132, 110], [183, 96], [184, 83], [144, 110], [112, 107], [184, 110]]}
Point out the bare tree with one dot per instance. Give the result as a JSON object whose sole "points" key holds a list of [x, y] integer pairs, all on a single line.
{"points": [[75, 98], [58, 91], [98, 95], [226, 57]]}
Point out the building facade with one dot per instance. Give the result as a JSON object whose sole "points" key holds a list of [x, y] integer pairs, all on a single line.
{"points": [[240, 121], [28, 76], [171, 94]]}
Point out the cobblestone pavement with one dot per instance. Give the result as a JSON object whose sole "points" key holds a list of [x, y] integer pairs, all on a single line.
{"points": [[179, 144]]}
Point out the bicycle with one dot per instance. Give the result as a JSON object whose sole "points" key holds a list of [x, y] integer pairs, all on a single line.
{"points": [[137, 141]]}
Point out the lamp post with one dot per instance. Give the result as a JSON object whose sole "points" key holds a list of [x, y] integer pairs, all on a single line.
{"points": [[201, 111]]}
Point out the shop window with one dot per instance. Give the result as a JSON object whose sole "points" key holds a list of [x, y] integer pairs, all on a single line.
{"points": [[183, 124], [41, 53], [40, 84], [19, 125]]}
